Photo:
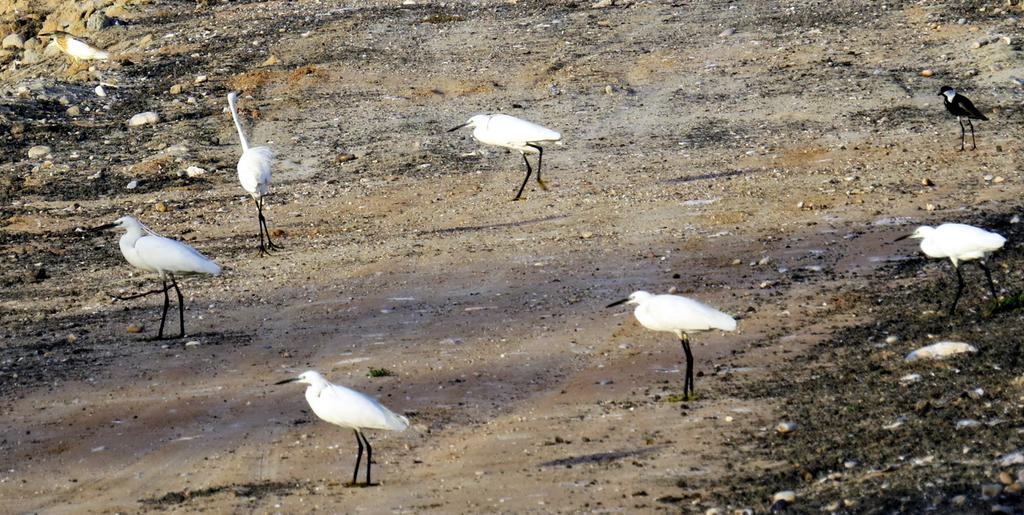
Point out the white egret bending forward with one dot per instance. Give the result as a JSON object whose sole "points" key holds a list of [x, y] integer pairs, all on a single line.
{"points": [[507, 131], [348, 408], [169, 259], [959, 242], [678, 315], [254, 173]]}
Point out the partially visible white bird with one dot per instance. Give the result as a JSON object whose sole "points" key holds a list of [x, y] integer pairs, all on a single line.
{"points": [[678, 315], [959, 243], [348, 408], [76, 48], [507, 131], [168, 259], [254, 173]]}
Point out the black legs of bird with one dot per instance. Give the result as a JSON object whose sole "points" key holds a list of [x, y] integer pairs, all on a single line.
{"points": [[264, 230], [540, 159], [181, 310], [361, 439], [688, 381], [974, 144], [961, 285]]}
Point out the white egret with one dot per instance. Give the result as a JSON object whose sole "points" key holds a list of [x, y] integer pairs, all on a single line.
{"points": [[962, 108], [254, 173], [507, 131], [76, 48], [169, 259], [681, 316], [959, 243], [348, 408]]}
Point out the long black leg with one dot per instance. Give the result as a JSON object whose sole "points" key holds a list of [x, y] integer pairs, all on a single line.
{"points": [[181, 308], [540, 159], [961, 132], [988, 275], [263, 225], [369, 458], [529, 171], [163, 317], [974, 144], [688, 382], [959, 289], [359, 440], [260, 220]]}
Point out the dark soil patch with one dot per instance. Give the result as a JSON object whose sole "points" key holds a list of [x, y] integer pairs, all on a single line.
{"points": [[256, 490]]}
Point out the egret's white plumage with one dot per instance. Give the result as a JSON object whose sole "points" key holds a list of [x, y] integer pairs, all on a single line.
{"points": [[506, 131], [350, 409], [679, 315], [253, 171], [959, 243], [168, 259]]}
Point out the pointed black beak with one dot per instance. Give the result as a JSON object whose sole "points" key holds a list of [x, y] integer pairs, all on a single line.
{"points": [[901, 238], [453, 129], [617, 303], [103, 227], [286, 381]]}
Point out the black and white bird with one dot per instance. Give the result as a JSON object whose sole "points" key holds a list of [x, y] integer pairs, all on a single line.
{"points": [[961, 107]]}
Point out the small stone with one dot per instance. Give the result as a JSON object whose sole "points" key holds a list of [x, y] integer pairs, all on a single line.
{"points": [[930, 207], [71, 338], [967, 423], [134, 328], [74, 111], [910, 378], [601, 4], [727, 32], [736, 262], [990, 490], [271, 61], [176, 89], [788, 496], [1014, 488], [609, 90], [1015, 219], [13, 41], [892, 339], [958, 500], [927, 73], [1013, 458], [160, 207], [586, 235], [998, 179], [1005, 478], [146, 118], [927, 182], [132, 185], [100, 92], [195, 171], [192, 343], [278, 233], [200, 79], [976, 393], [786, 427], [344, 158], [987, 178], [800, 205], [38, 151], [1002, 508], [941, 350], [98, 21]]}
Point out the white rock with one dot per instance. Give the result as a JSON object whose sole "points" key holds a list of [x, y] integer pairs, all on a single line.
{"points": [[13, 41], [910, 378], [1014, 458], [192, 343], [967, 423], [147, 118], [786, 427], [194, 171], [132, 185], [727, 32], [100, 92], [787, 496], [38, 151], [941, 350], [892, 339]]}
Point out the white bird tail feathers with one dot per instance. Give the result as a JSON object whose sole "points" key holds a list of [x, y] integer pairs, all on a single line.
{"points": [[238, 123], [395, 421], [724, 322]]}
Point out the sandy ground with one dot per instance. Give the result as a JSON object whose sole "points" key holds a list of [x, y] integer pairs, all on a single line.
{"points": [[765, 170]]}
